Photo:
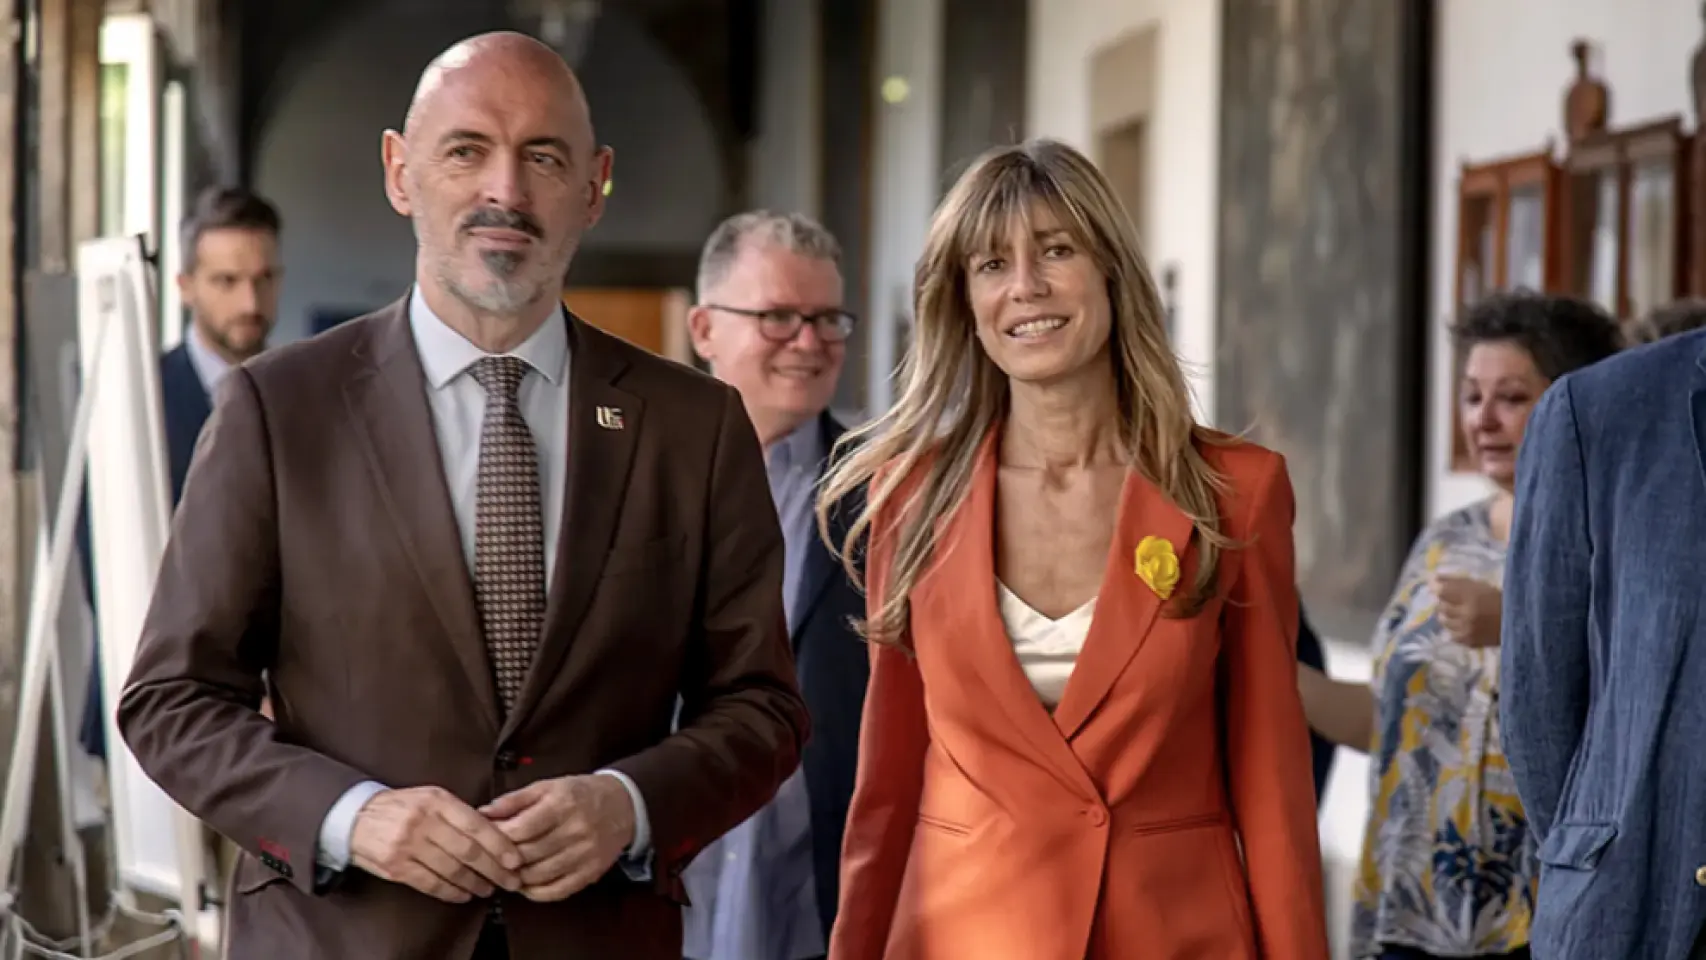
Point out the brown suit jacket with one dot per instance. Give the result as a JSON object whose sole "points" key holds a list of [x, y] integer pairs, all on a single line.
{"points": [[317, 544]]}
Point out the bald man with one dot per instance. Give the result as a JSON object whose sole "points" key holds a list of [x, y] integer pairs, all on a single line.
{"points": [[475, 550]]}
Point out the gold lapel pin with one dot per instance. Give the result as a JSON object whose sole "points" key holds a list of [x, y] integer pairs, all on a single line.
{"points": [[610, 418]]}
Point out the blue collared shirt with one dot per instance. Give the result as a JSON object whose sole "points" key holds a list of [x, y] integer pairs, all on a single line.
{"points": [[210, 368], [753, 893]]}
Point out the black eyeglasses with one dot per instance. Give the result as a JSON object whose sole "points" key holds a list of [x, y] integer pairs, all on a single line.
{"points": [[780, 325]]}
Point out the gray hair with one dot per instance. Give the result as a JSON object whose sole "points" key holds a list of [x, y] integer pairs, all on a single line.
{"points": [[793, 232]]}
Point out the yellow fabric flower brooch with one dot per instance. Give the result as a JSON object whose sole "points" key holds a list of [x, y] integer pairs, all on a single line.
{"points": [[1158, 565]]}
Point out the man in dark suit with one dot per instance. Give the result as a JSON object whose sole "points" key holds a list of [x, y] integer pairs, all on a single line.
{"points": [[230, 286], [770, 322], [476, 551]]}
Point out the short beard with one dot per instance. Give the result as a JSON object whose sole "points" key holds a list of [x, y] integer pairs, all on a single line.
{"points": [[505, 294], [231, 348]]}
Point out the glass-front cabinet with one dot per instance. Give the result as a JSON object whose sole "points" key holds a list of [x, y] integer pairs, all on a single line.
{"points": [[1616, 215], [1505, 239], [1506, 210], [1624, 218]]}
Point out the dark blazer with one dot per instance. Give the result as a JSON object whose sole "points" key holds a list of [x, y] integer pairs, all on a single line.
{"points": [[834, 667], [321, 565], [1602, 654], [1309, 653], [186, 407]]}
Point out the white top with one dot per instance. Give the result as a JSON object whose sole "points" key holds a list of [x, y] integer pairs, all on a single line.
{"points": [[1047, 649]]}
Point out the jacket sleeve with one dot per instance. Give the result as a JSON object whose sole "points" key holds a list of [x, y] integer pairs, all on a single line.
{"points": [[1310, 654], [884, 812], [189, 711], [743, 721], [1544, 634], [1267, 739]]}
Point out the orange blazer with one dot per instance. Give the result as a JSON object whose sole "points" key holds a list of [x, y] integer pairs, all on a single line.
{"points": [[1165, 810]]}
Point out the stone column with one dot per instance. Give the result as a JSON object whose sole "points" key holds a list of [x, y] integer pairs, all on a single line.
{"points": [[985, 58], [1324, 157], [846, 95], [64, 174]]}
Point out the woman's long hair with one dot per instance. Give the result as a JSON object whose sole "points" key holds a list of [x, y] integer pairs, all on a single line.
{"points": [[952, 394]]}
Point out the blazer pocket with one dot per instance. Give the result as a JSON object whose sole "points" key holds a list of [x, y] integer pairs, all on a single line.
{"points": [[944, 826], [250, 877], [1576, 845], [1181, 823], [645, 557]]}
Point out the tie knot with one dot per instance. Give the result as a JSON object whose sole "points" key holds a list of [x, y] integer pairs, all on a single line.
{"points": [[501, 376]]}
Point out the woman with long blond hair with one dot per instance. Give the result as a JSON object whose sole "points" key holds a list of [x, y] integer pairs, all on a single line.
{"points": [[1082, 736]]}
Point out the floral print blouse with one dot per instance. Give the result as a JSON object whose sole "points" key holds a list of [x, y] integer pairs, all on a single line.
{"points": [[1447, 864]]}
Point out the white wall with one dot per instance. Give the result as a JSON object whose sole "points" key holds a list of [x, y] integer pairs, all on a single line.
{"points": [[318, 160], [1503, 68], [1183, 137]]}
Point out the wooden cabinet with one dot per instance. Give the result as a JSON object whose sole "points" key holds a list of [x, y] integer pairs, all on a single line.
{"points": [[1618, 216], [1625, 224], [650, 318], [1506, 237]]}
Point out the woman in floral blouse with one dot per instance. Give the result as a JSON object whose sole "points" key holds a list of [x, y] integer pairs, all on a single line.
{"points": [[1447, 865]]}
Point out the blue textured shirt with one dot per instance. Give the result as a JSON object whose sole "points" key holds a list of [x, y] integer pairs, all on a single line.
{"points": [[753, 893]]}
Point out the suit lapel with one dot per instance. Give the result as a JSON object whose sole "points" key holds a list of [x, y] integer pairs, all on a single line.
{"points": [[817, 570], [389, 407], [964, 582], [1126, 607], [604, 426], [818, 567], [189, 395], [1697, 404]]}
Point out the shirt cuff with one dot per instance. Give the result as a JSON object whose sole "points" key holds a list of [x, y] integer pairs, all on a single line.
{"points": [[333, 853], [636, 861]]}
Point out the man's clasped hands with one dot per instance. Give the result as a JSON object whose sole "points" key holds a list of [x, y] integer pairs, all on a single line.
{"points": [[546, 841]]}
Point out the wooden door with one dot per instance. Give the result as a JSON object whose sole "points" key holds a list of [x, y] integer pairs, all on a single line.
{"points": [[655, 319]]}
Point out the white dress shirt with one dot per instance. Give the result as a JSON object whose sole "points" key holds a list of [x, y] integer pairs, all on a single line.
{"points": [[458, 404], [210, 368]]}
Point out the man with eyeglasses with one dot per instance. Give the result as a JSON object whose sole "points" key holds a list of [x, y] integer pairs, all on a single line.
{"points": [[770, 323]]}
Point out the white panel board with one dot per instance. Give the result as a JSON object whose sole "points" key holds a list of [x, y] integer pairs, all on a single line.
{"points": [[158, 845]]}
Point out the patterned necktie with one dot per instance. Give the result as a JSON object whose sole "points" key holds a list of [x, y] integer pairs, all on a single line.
{"points": [[509, 534]]}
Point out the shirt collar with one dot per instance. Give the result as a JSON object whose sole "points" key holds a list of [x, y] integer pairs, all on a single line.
{"points": [[209, 366], [801, 448], [446, 354]]}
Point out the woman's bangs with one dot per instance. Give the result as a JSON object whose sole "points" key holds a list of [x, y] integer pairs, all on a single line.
{"points": [[1001, 206]]}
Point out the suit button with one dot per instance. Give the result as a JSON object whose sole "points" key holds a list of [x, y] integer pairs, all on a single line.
{"points": [[507, 760], [1097, 816], [1700, 876]]}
